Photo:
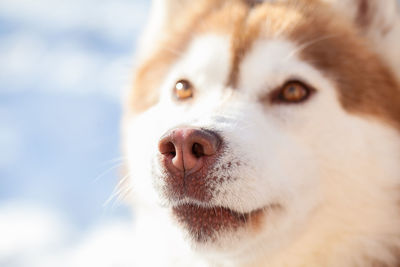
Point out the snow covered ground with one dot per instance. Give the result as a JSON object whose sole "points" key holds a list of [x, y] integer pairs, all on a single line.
{"points": [[63, 65]]}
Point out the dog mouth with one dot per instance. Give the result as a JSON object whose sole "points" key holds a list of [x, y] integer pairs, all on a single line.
{"points": [[204, 223]]}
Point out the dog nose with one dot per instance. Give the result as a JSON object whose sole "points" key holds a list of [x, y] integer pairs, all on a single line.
{"points": [[184, 149]]}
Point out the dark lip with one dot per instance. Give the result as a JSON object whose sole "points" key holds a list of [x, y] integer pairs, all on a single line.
{"points": [[204, 223]]}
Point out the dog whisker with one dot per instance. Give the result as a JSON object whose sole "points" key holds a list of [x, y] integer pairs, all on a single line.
{"points": [[101, 175]]}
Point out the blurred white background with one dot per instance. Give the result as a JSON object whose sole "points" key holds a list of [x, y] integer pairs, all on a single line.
{"points": [[63, 65]]}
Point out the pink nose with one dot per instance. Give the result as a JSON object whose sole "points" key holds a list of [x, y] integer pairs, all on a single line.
{"points": [[184, 149]]}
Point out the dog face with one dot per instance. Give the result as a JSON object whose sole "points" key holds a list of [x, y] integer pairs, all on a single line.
{"points": [[259, 127]]}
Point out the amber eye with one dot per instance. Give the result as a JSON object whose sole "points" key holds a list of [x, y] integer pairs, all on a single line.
{"points": [[183, 89], [293, 92]]}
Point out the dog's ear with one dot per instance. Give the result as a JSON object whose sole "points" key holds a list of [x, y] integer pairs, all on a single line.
{"points": [[369, 15], [379, 21], [163, 14]]}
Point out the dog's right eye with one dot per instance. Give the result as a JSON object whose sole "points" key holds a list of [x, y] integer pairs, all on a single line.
{"points": [[292, 92], [183, 89]]}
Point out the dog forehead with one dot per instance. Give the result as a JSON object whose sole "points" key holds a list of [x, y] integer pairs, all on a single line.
{"points": [[226, 37], [208, 64], [245, 24]]}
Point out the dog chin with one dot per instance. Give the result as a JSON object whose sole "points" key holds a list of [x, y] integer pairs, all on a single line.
{"points": [[205, 223]]}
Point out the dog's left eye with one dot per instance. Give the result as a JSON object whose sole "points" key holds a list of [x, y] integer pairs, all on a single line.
{"points": [[292, 92], [183, 89]]}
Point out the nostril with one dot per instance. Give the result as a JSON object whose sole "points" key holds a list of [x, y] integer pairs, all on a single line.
{"points": [[171, 149], [198, 150], [186, 149], [168, 148]]}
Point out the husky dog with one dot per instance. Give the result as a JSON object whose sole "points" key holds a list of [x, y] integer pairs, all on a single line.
{"points": [[266, 133]]}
